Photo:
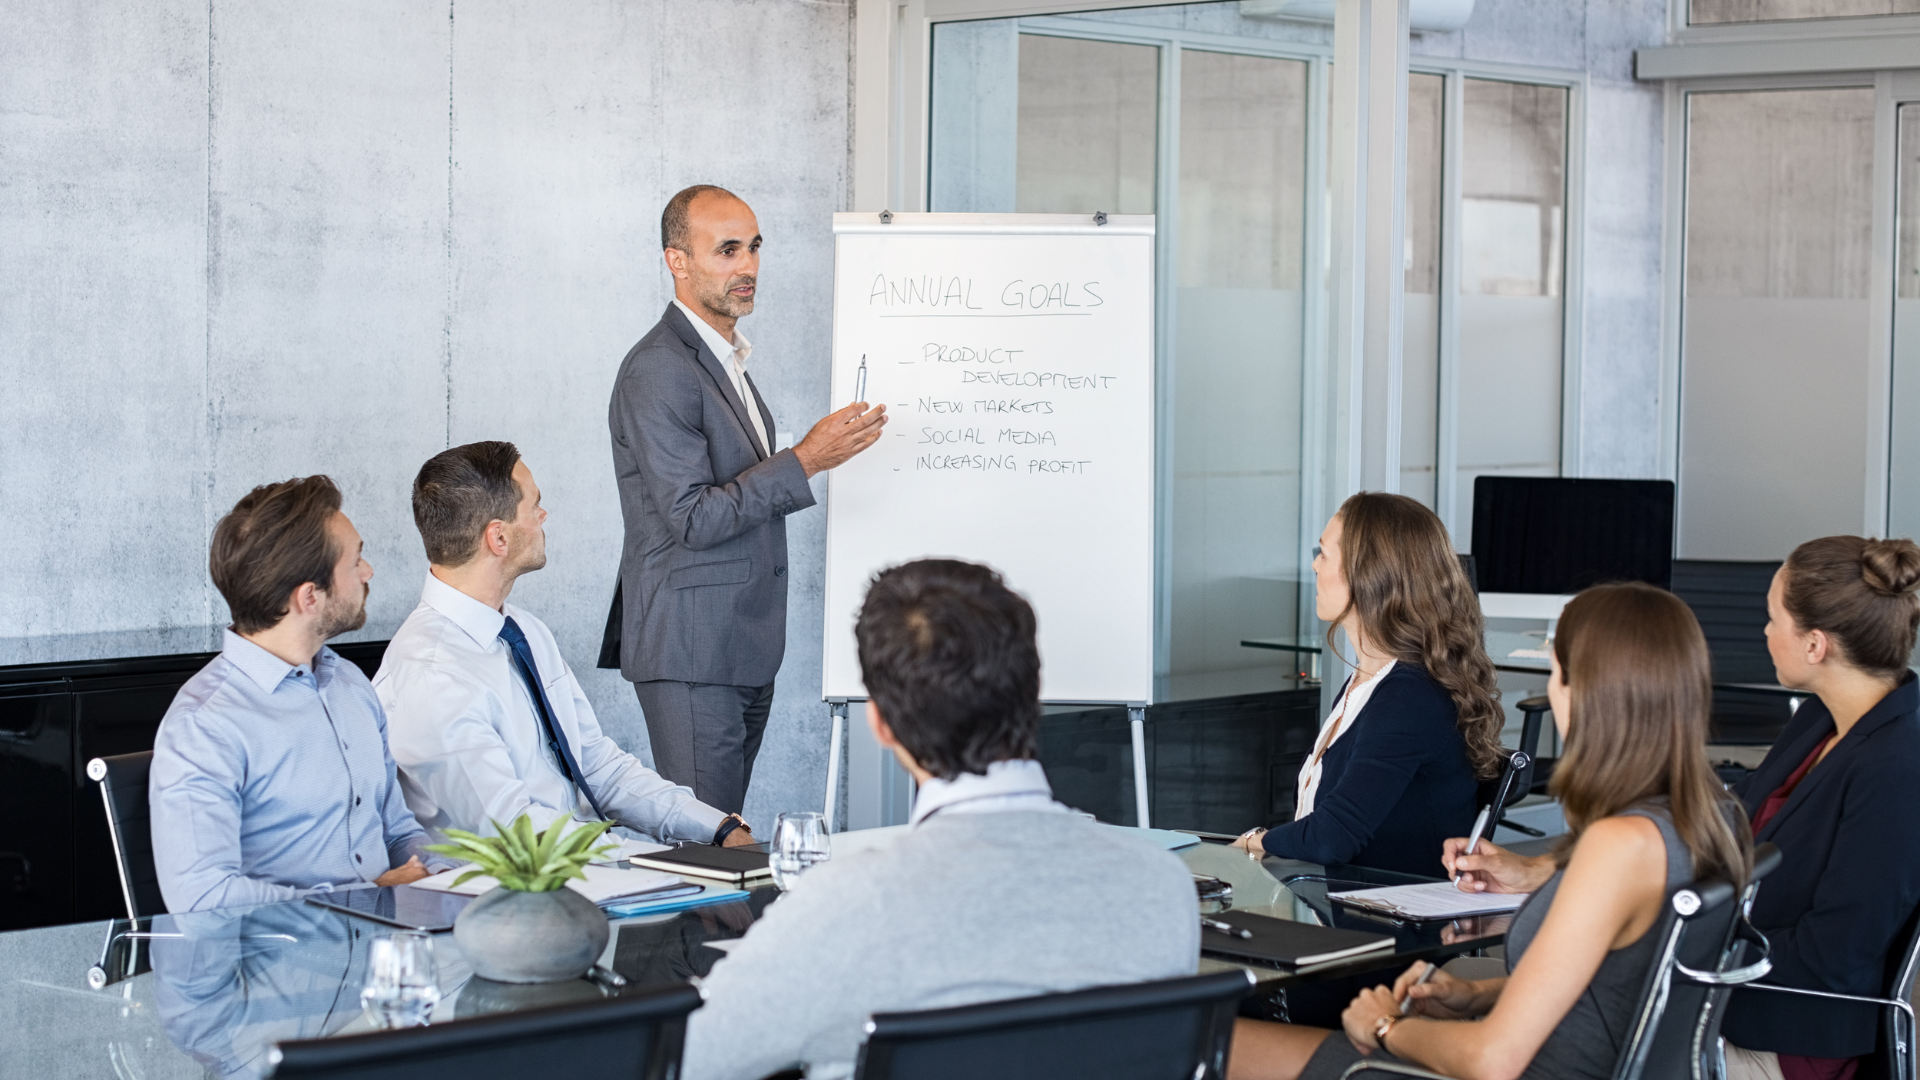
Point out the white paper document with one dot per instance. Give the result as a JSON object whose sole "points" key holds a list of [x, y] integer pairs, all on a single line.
{"points": [[603, 883], [1432, 900]]}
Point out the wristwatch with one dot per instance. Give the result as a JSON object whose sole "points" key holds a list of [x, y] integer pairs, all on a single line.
{"points": [[733, 822], [1382, 1026]]}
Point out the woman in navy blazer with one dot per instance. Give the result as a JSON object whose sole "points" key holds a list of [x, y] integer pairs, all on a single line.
{"points": [[1395, 770], [1839, 794]]}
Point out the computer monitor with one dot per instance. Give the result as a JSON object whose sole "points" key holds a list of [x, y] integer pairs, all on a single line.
{"points": [[1550, 535]]}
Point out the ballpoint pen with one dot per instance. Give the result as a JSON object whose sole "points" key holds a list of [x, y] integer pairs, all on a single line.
{"points": [[1406, 1003], [1226, 928]]}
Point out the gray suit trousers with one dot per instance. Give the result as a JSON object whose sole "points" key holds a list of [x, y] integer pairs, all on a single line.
{"points": [[706, 735]]}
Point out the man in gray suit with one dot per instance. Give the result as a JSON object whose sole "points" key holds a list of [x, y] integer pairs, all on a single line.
{"points": [[700, 616]]}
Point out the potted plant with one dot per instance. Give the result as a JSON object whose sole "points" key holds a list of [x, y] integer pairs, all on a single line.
{"points": [[531, 928]]}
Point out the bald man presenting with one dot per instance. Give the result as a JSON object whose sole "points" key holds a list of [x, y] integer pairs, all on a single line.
{"points": [[700, 616]]}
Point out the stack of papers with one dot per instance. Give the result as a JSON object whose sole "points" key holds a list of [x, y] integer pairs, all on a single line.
{"points": [[1432, 900], [604, 884]]}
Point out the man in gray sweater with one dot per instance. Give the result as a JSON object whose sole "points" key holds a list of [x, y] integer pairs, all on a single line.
{"points": [[995, 892]]}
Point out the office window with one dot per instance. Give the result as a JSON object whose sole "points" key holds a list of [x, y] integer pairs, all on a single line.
{"points": [[1512, 222], [1087, 126], [1024, 123], [1708, 12], [1775, 320], [1235, 498], [1042, 124], [1420, 349]]}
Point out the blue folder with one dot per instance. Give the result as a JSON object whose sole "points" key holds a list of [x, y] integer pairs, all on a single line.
{"points": [[677, 903]]}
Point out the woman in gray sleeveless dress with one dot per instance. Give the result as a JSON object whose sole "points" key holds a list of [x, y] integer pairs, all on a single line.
{"points": [[1631, 692]]}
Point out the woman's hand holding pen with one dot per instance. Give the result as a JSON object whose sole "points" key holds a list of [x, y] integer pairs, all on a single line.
{"points": [[1492, 868], [1440, 996]]}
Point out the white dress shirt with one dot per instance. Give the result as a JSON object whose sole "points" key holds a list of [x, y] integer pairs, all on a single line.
{"points": [[733, 356], [1345, 711], [1008, 786], [467, 737]]}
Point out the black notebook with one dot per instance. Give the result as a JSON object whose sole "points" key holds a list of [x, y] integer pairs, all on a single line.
{"points": [[741, 867], [1277, 941]]}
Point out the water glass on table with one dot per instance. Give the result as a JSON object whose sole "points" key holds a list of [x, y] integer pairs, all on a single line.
{"points": [[799, 841], [402, 980]]}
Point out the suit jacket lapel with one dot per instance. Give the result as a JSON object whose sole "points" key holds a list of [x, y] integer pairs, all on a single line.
{"points": [[766, 414], [715, 371], [1898, 703]]}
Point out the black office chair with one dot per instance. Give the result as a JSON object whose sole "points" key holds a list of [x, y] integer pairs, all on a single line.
{"points": [[1174, 1029], [1516, 781], [123, 789], [1896, 1006], [1706, 950], [634, 1037]]}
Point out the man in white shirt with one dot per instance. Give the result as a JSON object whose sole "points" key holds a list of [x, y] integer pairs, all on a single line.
{"points": [[485, 719], [995, 891]]}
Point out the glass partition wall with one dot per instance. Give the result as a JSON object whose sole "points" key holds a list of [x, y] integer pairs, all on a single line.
{"points": [[1484, 331], [1776, 321], [1043, 123], [1223, 139]]}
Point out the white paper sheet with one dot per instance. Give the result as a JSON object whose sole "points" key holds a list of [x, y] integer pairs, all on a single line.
{"points": [[1433, 900], [603, 883]]}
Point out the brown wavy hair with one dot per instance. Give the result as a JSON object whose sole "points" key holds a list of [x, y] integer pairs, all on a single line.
{"points": [[1862, 593], [1637, 667], [1417, 606]]}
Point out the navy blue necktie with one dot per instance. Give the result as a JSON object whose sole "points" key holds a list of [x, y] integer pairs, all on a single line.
{"points": [[516, 641]]}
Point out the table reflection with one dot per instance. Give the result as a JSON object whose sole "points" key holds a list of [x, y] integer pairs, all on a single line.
{"points": [[228, 985]]}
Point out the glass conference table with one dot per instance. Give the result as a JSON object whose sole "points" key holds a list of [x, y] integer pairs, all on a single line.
{"points": [[214, 992]]}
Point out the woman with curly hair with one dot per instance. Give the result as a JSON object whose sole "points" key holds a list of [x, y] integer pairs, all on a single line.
{"points": [[1397, 764]]}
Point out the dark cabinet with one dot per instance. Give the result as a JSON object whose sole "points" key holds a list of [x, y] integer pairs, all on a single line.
{"points": [[36, 804], [56, 856]]}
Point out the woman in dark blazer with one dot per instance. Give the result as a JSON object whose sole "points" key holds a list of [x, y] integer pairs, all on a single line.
{"points": [[1839, 794], [1395, 770]]}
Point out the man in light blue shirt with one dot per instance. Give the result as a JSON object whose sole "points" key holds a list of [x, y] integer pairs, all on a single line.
{"points": [[271, 777]]}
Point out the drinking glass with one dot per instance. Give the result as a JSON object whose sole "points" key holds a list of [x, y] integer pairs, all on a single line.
{"points": [[402, 981], [799, 841]]}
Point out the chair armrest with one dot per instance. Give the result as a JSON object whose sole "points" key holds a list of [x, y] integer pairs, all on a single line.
{"points": [[1904, 1006], [1388, 1068], [1744, 976]]}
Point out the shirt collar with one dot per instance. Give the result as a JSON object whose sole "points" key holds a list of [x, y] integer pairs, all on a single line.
{"points": [[1015, 784], [723, 350], [481, 622], [265, 669]]}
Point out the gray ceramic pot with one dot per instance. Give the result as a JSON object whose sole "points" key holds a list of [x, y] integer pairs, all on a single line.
{"points": [[522, 937]]}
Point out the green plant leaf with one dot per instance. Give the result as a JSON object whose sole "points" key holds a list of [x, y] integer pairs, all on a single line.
{"points": [[522, 860]]}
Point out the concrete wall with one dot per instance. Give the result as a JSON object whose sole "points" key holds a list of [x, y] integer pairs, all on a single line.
{"points": [[250, 241]]}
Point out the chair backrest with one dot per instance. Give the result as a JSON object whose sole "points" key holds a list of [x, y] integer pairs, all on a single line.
{"points": [[1896, 1054], [1516, 780], [634, 1037], [1175, 1029], [1730, 601], [123, 790], [1676, 1028]]}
